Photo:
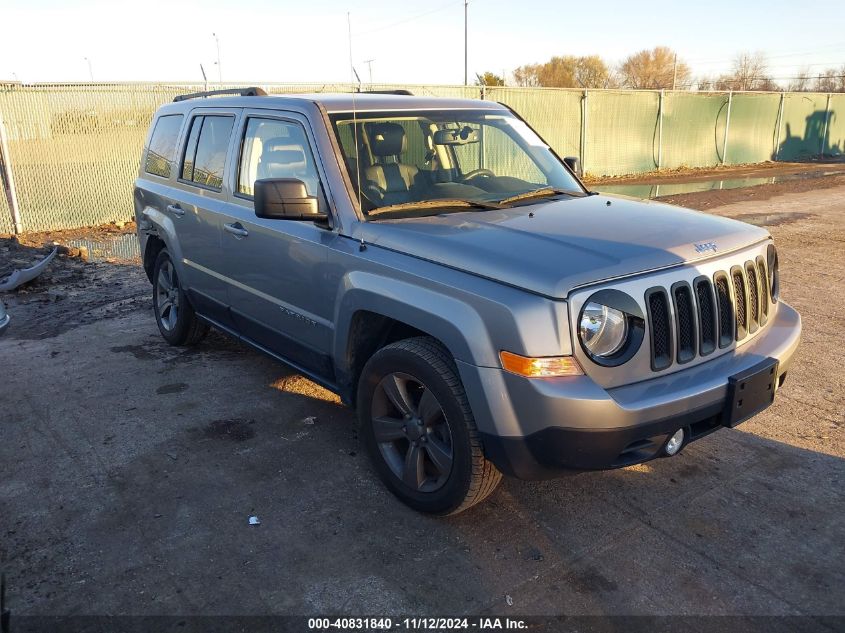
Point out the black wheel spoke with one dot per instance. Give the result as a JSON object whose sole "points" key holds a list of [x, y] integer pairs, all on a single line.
{"points": [[429, 409], [396, 389], [440, 455], [414, 472], [388, 429]]}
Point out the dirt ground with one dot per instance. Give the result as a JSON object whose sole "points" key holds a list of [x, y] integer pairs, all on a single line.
{"points": [[753, 170], [130, 469]]}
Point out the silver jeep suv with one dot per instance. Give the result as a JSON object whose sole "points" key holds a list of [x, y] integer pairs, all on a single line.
{"points": [[436, 264]]}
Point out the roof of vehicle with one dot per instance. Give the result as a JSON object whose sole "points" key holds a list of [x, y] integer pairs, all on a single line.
{"points": [[344, 102]]}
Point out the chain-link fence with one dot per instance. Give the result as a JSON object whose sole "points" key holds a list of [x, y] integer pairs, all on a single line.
{"points": [[73, 150]]}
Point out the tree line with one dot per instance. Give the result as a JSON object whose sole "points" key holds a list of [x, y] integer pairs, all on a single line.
{"points": [[662, 68]]}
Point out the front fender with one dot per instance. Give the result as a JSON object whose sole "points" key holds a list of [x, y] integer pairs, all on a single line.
{"points": [[455, 323]]}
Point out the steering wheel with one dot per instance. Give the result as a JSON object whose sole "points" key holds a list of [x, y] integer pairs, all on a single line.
{"points": [[476, 173]]}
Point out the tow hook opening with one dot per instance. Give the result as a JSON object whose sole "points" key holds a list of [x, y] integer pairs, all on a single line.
{"points": [[675, 443]]}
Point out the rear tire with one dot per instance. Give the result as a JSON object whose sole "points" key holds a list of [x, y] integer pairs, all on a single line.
{"points": [[417, 425], [175, 317]]}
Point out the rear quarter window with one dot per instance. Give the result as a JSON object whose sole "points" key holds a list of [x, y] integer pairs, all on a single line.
{"points": [[161, 152]]}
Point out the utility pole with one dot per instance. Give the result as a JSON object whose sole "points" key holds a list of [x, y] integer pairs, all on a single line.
{"points": [[219, 68], [90, 70], [466, 49], [675, 71], [369, 63]]}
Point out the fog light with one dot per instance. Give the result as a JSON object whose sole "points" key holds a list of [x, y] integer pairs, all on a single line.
{"points": [[675, 442]]}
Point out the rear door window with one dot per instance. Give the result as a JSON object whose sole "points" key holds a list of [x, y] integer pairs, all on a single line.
{"points": [[161, 151], [205, 151]]}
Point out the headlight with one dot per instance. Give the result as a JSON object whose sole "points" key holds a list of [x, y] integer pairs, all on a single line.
{"points": [[611, 327], [603, 330]]}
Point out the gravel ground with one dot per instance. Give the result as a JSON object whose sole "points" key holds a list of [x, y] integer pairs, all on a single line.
{"points": [[130, 470]]}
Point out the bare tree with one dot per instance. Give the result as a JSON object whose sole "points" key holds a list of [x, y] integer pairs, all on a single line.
{"points": [[801, 82], [749, 73], [831, 80], [653, 69]]}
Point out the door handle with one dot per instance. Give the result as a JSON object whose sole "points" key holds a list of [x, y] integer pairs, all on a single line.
{"points": [[236, 229], [176, 210]]}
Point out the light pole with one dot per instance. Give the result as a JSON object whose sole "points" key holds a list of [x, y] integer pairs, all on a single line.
{"points": [[466, 2], [369, 63], [90, 70], [219, 68]]}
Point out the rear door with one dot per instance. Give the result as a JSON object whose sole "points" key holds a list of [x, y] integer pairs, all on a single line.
{"points": [[201, 207], [279, 288]]}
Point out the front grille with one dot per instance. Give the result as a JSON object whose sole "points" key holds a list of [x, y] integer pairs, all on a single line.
{"points": [[685, 322], [694, 320], [660, 328]]}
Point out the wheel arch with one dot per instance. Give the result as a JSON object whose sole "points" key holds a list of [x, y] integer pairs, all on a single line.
{"points": [[375, 311]]}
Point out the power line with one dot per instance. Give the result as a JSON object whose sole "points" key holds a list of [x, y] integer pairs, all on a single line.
{"points": [[410, 18]]}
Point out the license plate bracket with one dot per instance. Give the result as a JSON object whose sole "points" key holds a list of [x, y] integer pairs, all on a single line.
{"points": [[750, 391]]}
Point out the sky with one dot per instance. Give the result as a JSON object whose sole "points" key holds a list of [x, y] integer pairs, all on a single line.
{"points": [[266, 41]]}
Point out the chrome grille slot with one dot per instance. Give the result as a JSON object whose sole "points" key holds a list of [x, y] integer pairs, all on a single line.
{"points": [[726, 309], [705, 302], [753, 297], [659, 324], [763, 276], [740, 301], [685, 322]]}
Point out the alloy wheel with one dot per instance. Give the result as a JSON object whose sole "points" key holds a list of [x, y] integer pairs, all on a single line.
{"points": [[412, 432], [167, 296]]}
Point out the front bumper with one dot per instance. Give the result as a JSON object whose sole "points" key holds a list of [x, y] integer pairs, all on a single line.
{"points": [[534, 429]]}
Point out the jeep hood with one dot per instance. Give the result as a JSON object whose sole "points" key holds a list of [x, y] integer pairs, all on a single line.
{"points": [[551, 247]]}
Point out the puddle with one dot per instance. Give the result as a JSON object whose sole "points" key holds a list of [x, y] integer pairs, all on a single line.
{"points": [[772, 219], [646, 190], [124, 247]]}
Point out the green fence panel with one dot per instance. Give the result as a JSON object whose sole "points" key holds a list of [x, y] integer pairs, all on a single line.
{"points": [[74, 149], [621, 132], [753, 127], [693, 129], [554, 114], [802, 126], [835, 140]]}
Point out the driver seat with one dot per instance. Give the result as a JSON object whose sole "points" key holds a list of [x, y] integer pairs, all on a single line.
{"points": [[389, 180]]}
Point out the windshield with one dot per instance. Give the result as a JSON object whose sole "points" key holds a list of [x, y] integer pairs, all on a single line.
{"points": [[430, 162]]}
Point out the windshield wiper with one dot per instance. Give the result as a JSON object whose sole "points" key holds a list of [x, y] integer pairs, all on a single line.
{"points": [[542, 192], [435, 204]]}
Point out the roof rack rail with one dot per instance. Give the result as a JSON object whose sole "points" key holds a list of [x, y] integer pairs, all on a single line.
{"points": [[253, 91], [406, 93]]}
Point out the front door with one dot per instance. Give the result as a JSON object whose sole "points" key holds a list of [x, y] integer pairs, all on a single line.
{"points": [[278, 278]]}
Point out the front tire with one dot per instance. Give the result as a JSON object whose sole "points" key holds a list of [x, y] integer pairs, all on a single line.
{"points": [[419, 430], [175, 316]]}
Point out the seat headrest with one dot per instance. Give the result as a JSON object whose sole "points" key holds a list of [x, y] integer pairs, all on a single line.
{"points": [[287, 160], [277, 142], [386, 139]]}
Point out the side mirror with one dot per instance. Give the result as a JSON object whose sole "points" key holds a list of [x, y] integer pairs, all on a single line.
{"points": [[286, 199], [574, 164]]}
